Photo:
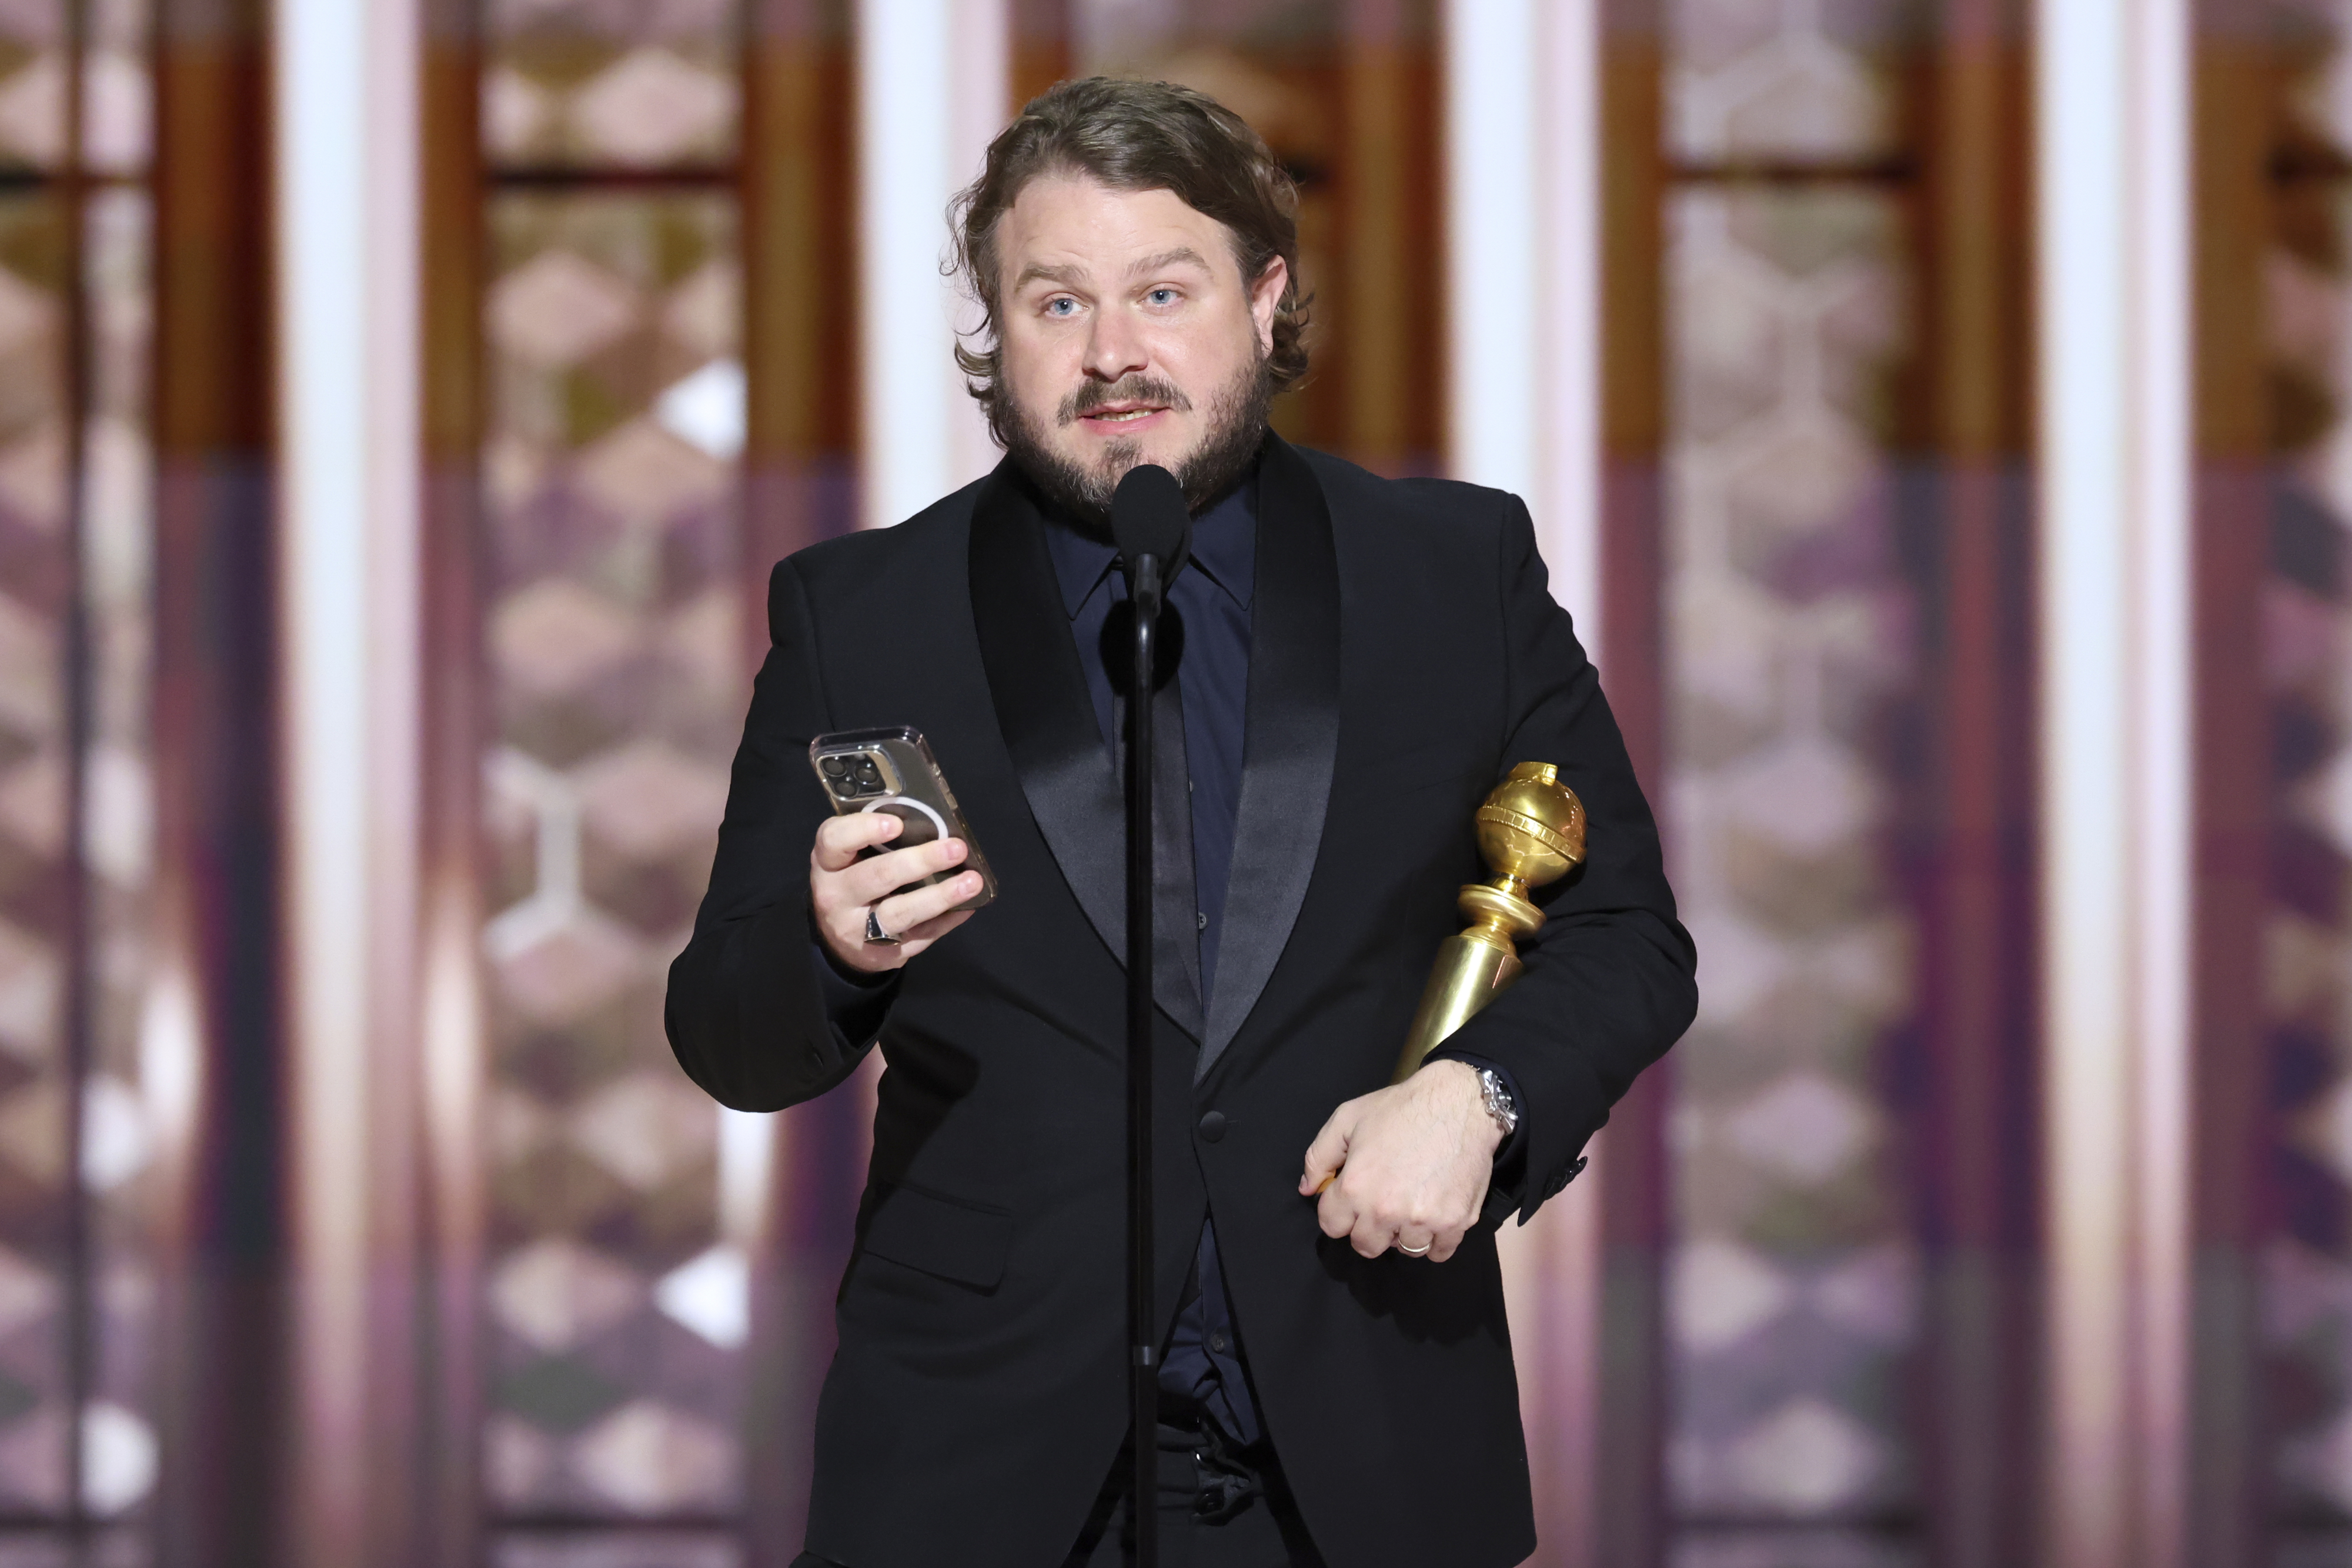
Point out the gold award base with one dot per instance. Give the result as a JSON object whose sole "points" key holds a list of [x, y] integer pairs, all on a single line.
{"points": [[1531, 832]]}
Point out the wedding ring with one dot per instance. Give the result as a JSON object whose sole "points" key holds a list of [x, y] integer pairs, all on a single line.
{"points": [[1420, 1252], [873, 932]]}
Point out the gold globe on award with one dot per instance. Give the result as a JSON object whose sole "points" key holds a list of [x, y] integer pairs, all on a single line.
{"points": [[1531, 832]]}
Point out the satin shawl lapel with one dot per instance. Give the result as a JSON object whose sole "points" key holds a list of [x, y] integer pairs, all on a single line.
{"points": [[1048, 724], [1292, 730]]}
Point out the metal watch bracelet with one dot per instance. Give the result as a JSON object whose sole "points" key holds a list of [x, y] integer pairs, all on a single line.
{"points": [[1499, 1104]]}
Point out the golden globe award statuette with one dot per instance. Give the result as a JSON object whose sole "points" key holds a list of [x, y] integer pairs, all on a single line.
{"points": [[1531, 831]]}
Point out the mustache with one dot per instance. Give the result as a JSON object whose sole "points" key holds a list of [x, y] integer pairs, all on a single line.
{"points": [[1093, 395]]}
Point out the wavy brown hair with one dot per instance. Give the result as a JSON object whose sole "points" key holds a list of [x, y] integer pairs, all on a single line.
{"points": [[1132, 136]]}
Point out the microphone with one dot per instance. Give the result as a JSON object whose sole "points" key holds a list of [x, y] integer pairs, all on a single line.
{"points": [[1153, 529], [1149, 516]]}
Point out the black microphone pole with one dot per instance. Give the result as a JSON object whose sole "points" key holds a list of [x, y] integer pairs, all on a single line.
{"points": [[1153, 526], [1143, 1340]]}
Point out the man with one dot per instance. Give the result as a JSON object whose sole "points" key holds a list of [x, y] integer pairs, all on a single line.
{"points": [[1364, 660]]}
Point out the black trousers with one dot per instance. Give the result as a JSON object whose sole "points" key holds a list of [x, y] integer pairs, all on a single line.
{"points": [[1220, 1507]]}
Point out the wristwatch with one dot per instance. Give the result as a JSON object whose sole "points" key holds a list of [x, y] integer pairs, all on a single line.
{"points": [[1499, 1104]]}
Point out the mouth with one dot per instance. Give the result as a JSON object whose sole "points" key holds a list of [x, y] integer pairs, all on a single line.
{"points": [[1120, 414]]}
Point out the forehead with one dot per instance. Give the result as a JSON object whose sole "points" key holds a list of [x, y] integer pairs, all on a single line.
{"points": [[1071, 220]]}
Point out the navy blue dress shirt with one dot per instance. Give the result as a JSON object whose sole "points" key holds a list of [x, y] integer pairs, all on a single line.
{"points": [[1202, 1367]]}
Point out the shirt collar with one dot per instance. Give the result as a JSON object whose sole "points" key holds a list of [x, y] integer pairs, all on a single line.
{"points": [[1224, 548]]}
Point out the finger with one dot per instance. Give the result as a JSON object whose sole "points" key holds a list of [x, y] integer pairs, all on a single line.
{"points": [[1329, 1152], [1417, 1244], [844, 936], [838, 839], [1335, 1214], [1444, 1245], [930, 931], [1373, 1235], [910, 911], [872, 880]]}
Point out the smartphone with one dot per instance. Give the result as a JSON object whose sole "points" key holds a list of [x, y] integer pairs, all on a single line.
{"points": [[893, 771]]}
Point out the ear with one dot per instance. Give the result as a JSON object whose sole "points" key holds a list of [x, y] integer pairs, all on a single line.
{"points": [[1265, 299]]}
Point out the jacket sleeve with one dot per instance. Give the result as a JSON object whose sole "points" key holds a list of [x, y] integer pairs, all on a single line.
{"points": [[1609, 982], [749, 1013]]}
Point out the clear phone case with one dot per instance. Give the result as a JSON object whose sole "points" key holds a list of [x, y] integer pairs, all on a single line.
{"points": [[893, 771]]}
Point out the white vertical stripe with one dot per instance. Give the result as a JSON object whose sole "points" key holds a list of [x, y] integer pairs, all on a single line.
{"points": [[983, 52], [928, 73], [345, 122], [1523, 232], [2163, 439], [1523, 229], [1568, 500], [2115, 627], [1494, 238]]}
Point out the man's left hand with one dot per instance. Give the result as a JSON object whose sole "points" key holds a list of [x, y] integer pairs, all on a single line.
{"points": [[1413, 1161]]}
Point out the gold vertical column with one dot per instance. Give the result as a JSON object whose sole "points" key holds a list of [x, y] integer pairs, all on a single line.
{"points": [[216, 1046], [2237, 217], [1971, 428], [1376, 358], [1041, 48], [1629, 1485], [800, 326], [429, 1503]]}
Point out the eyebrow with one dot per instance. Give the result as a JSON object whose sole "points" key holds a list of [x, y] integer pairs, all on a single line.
{"points": [[1038, 271], [1071, 276], [1168, 259]]}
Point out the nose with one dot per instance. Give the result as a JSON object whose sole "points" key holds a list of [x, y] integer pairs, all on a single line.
{"points": [[1114, 349]]}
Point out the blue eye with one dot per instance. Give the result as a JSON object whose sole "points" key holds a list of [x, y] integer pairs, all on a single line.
{"points": [[1055, 307], [1161, 297]]}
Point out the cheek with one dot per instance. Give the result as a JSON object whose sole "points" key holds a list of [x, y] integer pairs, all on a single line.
{"points": [[1204, 363], [1034, 368]]}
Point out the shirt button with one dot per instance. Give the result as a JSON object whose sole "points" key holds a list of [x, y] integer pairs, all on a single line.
{"points": [[1212, 1126], [1201, 917], [1217, 1341]]}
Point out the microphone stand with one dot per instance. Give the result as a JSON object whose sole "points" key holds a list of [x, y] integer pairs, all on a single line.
{"points": [[1143, 1340]]}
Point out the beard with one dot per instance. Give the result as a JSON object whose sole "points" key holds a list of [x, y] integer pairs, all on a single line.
{"points": [[1237, 418]]}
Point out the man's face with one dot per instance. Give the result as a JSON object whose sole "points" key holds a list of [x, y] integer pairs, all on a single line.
{"points": [[1129, 336]]}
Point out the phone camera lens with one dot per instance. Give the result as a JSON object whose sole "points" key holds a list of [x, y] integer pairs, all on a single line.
{"points": [[844, 787], [834, 766], [867, 774]]}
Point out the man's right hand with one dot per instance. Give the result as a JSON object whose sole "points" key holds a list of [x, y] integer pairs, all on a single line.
{"points": [[842, 888]]}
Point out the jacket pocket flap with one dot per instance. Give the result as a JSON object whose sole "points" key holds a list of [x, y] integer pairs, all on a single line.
{"points": [[938, 1235]]}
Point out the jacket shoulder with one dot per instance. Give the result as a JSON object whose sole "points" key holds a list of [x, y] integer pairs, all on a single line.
{"points": [[869, 557], [1356, 491]]}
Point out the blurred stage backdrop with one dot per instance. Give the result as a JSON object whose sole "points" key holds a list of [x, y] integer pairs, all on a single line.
{"points": [[1935, 411]]}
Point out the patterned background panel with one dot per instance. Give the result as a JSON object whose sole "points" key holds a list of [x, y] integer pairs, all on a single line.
{"points": [[1760, 80], [1794, 1275], [629, 84], [37, 589], [32, 83], [2308, 632], [616, 666], [663, 1549], [1794, 1548], [119, 1453]]}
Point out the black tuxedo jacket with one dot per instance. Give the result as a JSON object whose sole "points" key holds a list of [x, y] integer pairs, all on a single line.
{"points": [[1405, 654]]}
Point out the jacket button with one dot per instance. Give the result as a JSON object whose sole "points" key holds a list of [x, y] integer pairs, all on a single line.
{"points": [[1212, 1126]]}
